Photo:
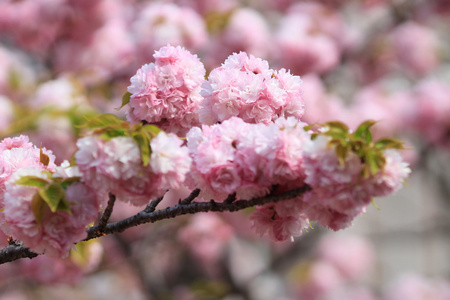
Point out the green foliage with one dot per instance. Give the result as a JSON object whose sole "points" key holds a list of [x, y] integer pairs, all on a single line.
{"points": [[108, 126], [32, 181], [50, 195], [125, 99], [360, 142]]}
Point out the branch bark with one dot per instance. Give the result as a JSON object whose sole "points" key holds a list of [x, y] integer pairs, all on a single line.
{"points": [[14, 252]]}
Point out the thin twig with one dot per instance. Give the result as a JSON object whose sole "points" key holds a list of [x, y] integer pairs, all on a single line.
{"points": [[15, 252], [152, 206], [230, 198], [107, 213], [191, 197]]}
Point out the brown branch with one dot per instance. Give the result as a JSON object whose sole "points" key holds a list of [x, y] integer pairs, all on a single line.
{"points": [[152, 206], [192, 208], [107, 213], [191, 197], [14, 252]]}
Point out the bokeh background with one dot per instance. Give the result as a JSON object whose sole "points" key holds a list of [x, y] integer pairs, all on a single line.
{"points": [[62, 61]]}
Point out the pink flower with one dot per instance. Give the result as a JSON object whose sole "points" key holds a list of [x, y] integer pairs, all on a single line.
{"points": [[61, 93], [18, 153], [169, 159], [322, 278], [310, 39], [325, 216], [224, 178], [159, 24], [428, 114], [167, 93], [57, 231], [16, 65], [49, 270], [351, 255], [116, 166], [416, 47], [248, 159], [245, 30], [209, 6], [321, 107], [206, 237], [280, 222], [391, 178], [245, 87]]}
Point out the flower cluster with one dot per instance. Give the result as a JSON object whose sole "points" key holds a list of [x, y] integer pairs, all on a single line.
{"points": [[246, 159], [344, 180], [45, 206], [134, 168], [245, 87], [345, 171], [251, 143], [17, 153], [167, 93]]}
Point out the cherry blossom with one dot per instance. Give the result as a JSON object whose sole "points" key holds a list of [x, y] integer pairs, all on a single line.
{"points": [[167, 93]]}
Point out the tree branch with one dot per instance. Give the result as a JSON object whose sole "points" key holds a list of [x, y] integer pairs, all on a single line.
{"points": [[14, 252], [107, 213]]}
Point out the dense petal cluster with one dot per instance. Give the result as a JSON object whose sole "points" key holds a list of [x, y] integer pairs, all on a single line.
{"points": [[57, 231], [339, 191], [246, 159], [281, 221], [17, 153], [116, 166], [245, 87], [166, 93]]}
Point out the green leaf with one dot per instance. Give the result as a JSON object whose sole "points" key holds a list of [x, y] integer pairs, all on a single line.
{"points": [[363, 131], [151, 131], [144, 146], [341, 152], [73, 162], [105, 120], [309, 127], [388, 143], [110, 133], [64, 206], [32, 181], [52, 195], [372, 161], [380, 161], [125, 99], [38, 208], [68, 181], [336, 126]]}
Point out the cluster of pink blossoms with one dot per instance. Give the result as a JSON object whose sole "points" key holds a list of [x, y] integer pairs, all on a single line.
{"points": [[18, 153], [245, 87], [116, 166], [251, 143], [249, 159], [339, 192], [54, 232], [246, 159], [167, 93]]}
